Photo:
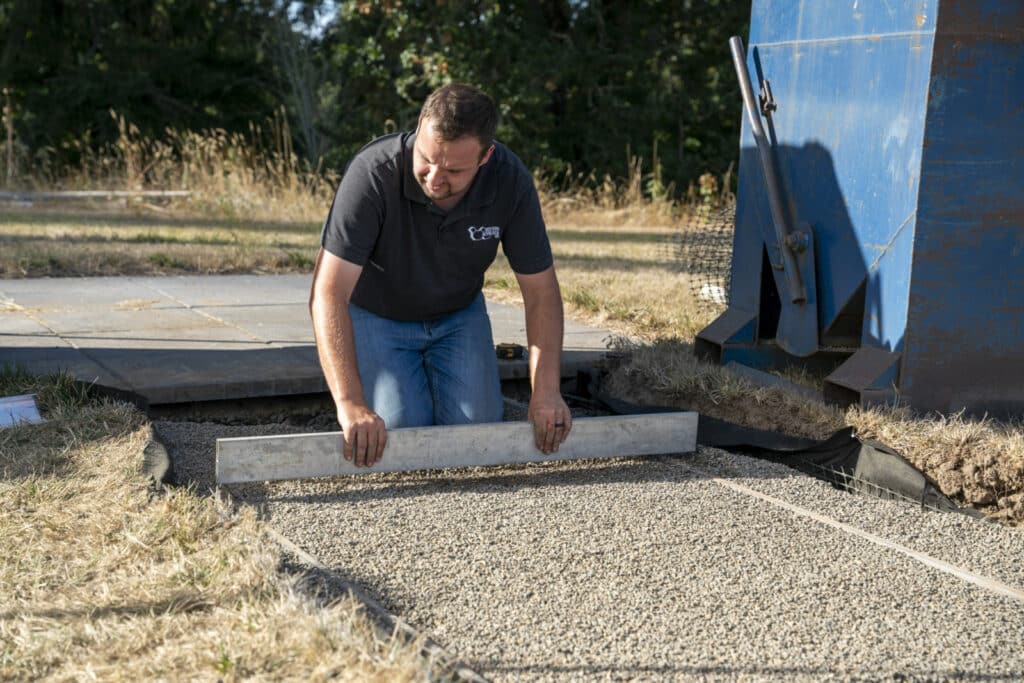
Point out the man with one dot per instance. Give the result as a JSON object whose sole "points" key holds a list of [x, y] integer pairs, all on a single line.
{"points": [[401, 328]]}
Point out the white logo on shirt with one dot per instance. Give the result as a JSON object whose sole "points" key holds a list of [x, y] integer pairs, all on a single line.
{"points": [[484, 232]]}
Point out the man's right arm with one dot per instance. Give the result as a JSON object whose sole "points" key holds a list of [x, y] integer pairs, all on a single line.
{"points": [[364, 431]]}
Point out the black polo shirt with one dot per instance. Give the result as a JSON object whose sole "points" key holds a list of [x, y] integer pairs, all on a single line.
{"points": [[421, 263]]}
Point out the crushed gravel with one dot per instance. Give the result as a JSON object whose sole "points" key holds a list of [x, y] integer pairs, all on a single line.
{"points": [[647, 569]]}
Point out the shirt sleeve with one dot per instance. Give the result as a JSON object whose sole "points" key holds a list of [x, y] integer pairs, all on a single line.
{"points": [[525, 238], [356, 216]]}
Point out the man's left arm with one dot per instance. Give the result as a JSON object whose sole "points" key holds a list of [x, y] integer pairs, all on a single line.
{"points": [[548, 412]]}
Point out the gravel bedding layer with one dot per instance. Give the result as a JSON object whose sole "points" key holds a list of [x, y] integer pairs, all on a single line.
{"points": [[984, 547], [645, 569]]}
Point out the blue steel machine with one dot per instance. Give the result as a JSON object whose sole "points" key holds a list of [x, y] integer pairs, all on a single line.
{"points": [[880, 207]]}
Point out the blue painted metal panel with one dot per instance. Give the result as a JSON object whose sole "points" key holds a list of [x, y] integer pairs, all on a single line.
{"points": [[847, 139], [966, 317], [888, 292], [810, 20], [899, 136], [848, 133]]}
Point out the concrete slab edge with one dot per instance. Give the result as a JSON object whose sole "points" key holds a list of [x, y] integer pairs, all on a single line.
{"points": [[144, 396]]}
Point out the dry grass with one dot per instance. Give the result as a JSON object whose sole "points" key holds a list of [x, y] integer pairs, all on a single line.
{"points": [[84, 240], [615, 273], [979, 462], [253, 176], [254, 207], [102, 578]]}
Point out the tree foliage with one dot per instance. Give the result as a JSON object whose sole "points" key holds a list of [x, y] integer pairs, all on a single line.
{"points": [[581, 84], [158, 63]]}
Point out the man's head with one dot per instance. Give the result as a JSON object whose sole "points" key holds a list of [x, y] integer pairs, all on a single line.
{"points": [[455, 137], [458, 110]]}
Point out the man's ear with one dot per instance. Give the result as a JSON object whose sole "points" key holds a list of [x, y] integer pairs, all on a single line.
{"points": [[486, 155]]}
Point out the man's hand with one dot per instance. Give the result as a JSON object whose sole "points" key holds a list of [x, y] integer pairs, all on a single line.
{"points": [[364, 433], [551, 420], [334, 279]]}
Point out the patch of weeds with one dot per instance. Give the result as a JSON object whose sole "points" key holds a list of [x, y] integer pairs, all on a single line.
{"points": [[583, 299], [38, 265], [298, 261], [161, 260], [224, 664], [501, 282], [54, 392]]}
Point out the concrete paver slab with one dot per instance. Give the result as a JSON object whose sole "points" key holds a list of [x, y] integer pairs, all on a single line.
{"points": [[227, 290], [19, 329], [163, 323], [198, 338], [195, 339], [508, 321], [162, 373], [273, 323], [77, 292], [28, 344], [44, 360]]}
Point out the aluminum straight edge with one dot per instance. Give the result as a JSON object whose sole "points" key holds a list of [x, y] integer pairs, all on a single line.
{"points": [[302, 456]]}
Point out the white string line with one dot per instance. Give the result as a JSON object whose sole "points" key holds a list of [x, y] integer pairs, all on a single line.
{"points": [[985, 582]]}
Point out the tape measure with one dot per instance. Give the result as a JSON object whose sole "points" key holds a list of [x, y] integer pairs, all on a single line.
{"points": [[510, 351]]}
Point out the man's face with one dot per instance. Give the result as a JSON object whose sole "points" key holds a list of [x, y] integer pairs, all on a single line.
{"points": [[445, 169]]}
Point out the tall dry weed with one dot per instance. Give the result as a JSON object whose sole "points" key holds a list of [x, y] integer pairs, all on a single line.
{"points": [[256, 175]]}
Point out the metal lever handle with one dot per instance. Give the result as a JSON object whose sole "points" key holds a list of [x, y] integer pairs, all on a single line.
{"points": [[783, 234]]}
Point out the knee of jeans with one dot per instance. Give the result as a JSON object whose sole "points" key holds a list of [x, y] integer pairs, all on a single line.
{"points": [[405, 420], [484, 407], [397, 403], [407, 416]]}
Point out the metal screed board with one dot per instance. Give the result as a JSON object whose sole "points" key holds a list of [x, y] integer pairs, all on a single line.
{"points": [[301, 456]]}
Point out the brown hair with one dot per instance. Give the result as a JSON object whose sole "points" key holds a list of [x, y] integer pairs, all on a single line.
{"points": [[458, 110]]}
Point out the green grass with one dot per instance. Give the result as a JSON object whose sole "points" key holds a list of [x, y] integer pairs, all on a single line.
{"points": [[55, 393]]}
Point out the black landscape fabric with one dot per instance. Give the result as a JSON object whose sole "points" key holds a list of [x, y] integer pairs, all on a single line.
{"points": [[844, 460]]}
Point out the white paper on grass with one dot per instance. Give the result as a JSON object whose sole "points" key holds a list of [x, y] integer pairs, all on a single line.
{"points": [[714, 293], [15, 410]]}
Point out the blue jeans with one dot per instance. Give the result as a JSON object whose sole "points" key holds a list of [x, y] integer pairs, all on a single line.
{"points": [[424, 373]]}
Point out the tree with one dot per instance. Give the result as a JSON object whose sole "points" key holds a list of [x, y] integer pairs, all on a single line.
{"points": [[581, 84], [578, 83], [181, 63]]}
